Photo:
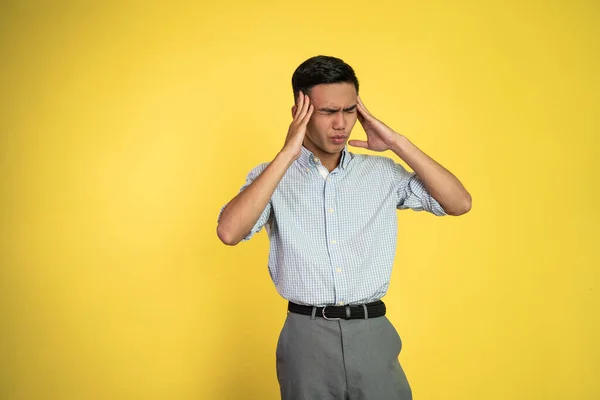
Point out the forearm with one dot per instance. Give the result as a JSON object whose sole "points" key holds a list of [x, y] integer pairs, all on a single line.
{"points": [[242, 212], [440, 183]]}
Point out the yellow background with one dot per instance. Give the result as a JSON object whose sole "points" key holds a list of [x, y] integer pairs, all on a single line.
{"points": [[125, 127]]}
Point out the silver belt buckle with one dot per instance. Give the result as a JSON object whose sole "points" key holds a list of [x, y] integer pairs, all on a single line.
{"points": [[328, 319]]}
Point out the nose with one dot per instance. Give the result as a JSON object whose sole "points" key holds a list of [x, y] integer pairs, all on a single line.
{"points": [[339, 121]]}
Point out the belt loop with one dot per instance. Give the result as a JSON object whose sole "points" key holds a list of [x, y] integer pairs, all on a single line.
{"points": [[366, 312], [348, 312], [314, 312]]}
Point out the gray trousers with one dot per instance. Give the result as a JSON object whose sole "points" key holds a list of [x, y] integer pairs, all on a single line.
{"points": [[355, 359]]}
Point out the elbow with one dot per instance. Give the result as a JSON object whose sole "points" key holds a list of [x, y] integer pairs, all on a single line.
{"points": [[225, 236], [461, 207]]}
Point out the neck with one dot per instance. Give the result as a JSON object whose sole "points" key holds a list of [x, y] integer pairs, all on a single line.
{"points": [[328, 160]]}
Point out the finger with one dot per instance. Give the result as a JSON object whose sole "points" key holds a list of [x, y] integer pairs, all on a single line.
{"points": [[359, 143], [362, 112], [306, 118], [361, 103], [361, 118], [362, 109], [305, 107], [299, 104]]}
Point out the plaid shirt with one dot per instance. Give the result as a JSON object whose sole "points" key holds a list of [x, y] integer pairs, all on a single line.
{"points": [[333, 234]]}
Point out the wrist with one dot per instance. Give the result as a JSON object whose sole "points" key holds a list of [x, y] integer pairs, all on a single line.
{"points": [[400, 144], [287, 156]]}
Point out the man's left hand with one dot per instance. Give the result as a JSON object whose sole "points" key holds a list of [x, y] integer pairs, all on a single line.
{"points": [[380, 137]]}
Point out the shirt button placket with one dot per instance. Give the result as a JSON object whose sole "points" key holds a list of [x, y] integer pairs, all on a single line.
{"points": [[332, 229]]}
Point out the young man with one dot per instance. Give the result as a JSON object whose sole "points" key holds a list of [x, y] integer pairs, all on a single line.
{"points": [[331, 219]]}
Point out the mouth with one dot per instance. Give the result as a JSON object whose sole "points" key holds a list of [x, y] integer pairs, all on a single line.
{"points": [[338, 139]]}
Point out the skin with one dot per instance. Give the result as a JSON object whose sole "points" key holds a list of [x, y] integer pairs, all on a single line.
{"points": [[242, 212], [440, 183], [335, 115], [328, 111]]}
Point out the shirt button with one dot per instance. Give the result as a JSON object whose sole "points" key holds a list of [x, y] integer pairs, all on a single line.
{"points": [[338, 269], [307, 169], [333, 242], [340, 303], [330, 210]]}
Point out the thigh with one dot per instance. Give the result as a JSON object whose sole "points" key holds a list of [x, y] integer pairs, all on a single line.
{"points": [[309, 359], [371, 348]]}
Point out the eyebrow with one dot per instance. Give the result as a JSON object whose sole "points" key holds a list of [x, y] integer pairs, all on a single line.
{"points": [[329, 109]]}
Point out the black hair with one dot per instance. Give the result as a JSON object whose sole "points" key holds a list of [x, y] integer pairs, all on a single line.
{"points": [[321, 69]]}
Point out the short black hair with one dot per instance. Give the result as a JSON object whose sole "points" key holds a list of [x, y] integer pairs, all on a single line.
{"points": [[322, 69]]}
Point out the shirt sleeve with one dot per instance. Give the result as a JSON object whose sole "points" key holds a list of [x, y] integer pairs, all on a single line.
{"points": [[412, 193], [265, 215]]}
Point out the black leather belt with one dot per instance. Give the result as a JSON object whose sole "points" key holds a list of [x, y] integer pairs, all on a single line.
{"points": [[361, 311]]}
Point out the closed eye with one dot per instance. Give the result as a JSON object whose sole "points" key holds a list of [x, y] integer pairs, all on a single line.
{"points": [[329, 111]]}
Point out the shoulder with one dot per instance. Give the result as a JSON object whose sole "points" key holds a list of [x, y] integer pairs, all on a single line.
{"points": [[257, 170], [381, 166], [381, 163]]}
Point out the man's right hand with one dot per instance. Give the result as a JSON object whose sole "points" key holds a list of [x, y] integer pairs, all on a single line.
{"points": [[244, 210], [297, 130]]}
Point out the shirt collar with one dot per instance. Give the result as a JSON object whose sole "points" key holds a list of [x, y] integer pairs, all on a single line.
{"points": [[308, 160]]}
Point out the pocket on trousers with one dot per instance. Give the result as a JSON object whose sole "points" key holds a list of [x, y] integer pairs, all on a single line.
{"points": [[282, 341], [395, 334]]}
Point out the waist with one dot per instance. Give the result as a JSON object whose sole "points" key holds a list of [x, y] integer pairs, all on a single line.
{"points": [[361, 311]]}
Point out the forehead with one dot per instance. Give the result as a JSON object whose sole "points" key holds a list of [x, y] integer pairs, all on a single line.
{"points": [[333, 94]]}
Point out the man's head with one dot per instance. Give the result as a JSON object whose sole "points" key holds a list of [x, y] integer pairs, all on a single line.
{"points": [[322, 70], [332, 87]]}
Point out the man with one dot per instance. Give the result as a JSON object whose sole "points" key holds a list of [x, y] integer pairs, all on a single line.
{"points": [[331, 220]]}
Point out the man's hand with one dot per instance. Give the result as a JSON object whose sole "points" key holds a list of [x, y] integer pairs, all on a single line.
{"points": [[244, 210], [297, 129], [440, 183], [380, 137]]}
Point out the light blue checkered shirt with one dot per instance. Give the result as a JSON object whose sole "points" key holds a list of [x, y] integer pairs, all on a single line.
{"points": [[333, 235]]}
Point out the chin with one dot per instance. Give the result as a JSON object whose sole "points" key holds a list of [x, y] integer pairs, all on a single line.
{"points": [[332, 148]]}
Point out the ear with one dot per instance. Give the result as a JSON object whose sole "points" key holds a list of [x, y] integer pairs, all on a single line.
{"points": [[294, 108]]}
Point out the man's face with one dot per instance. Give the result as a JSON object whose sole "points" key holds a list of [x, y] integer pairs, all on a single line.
{"points": [[333, 117]]}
